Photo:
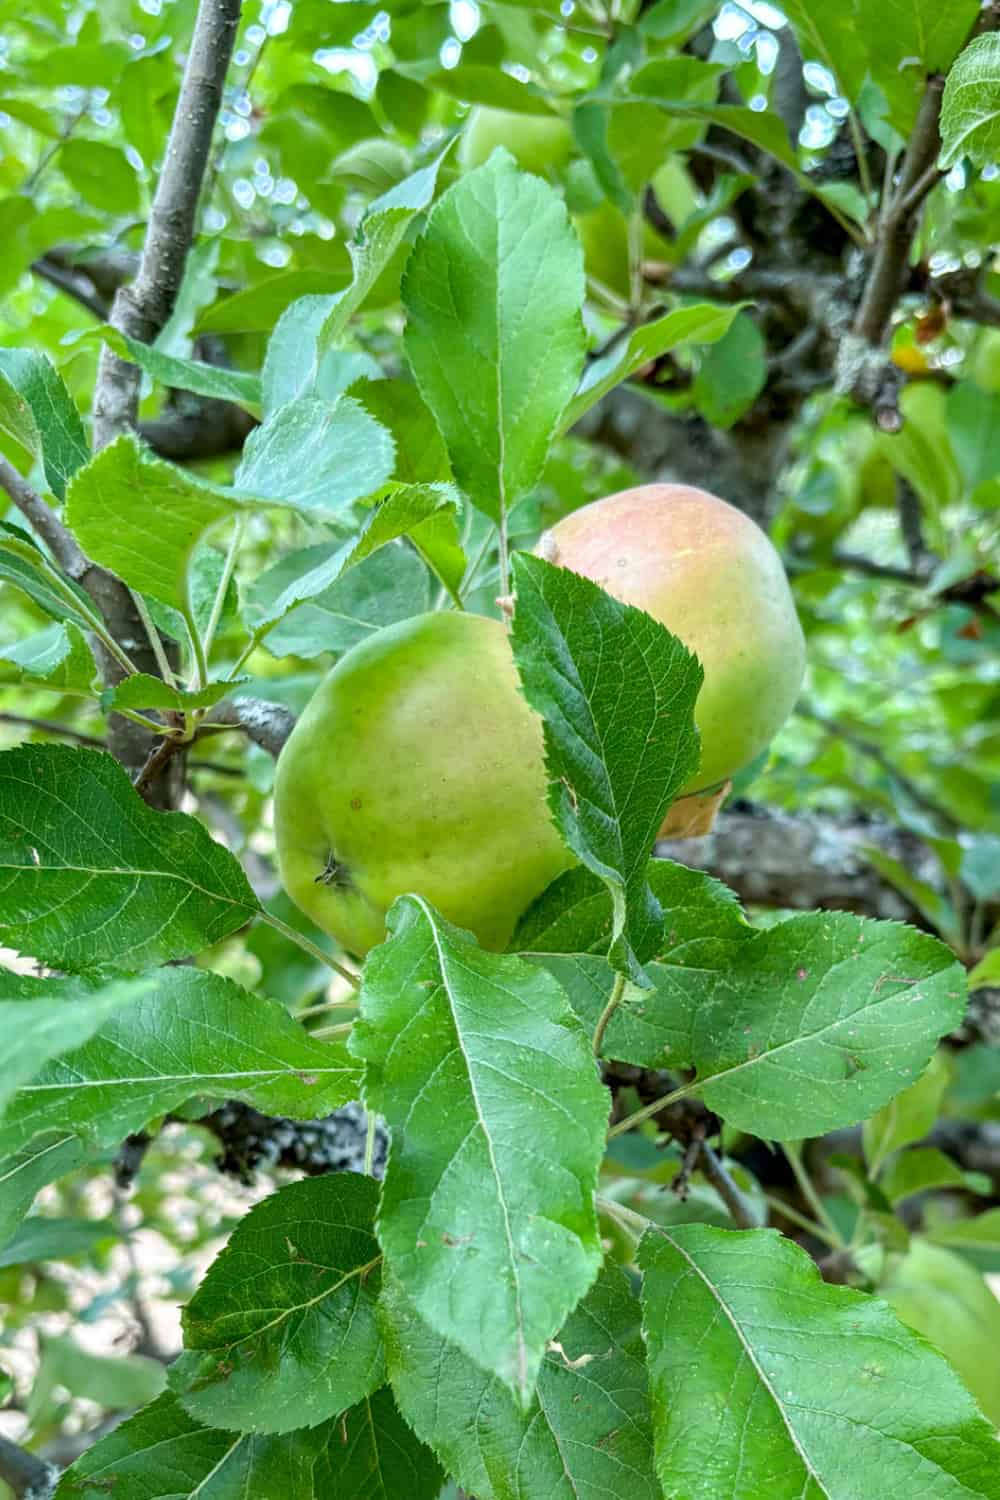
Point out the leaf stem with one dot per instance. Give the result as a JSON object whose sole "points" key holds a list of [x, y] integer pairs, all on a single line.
{"points": [[218, 603], [308, 946], [793, 1153], [370, 1143], [634, 1224], [200, 675], [617, 990], [153, 635], [504, 554], [802, 1220], [649, 1110]]}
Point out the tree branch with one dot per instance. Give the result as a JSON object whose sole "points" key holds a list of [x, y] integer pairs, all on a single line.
{"points": [[30, 1477], [74, 283], [266, 724], [141, 310], [44, 521]]}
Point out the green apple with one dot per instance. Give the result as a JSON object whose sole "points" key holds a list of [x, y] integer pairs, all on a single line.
{"points": [[538, 143], [417, 767], [708, 573]]}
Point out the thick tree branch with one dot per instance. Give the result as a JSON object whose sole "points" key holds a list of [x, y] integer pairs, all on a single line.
{"points": [[804, 862], [30, 1477], [141, 310]]}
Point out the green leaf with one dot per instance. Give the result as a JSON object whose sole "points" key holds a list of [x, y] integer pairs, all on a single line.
{"points": [[616, 693], [58, 657], [493, 292], [296, 612], [379, 237], [161, 1452], [830, 34], [213, 381], [586, 1433], [945, 1299], [281, 1333], [980, 1233], [421, 457], [732, 374], [918, 1172], [43, 1238], [987, 970], [24, 1173], [90, 875], [31, 115], [102, 175], [142, 517], [43, 1018], [909, 1117], [494, 1244], [60, 440], [477, 83], [974, 428], [970, 110], [115, 1382], [142, 691], [294, 365], [257, 308], [702, 323], [26, 567], [190, 1032], [909, 40], [315, 457], [813, 1389]]}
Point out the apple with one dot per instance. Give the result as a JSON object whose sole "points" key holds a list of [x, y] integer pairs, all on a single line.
{"points": [[710, 575], [538, 143], [417, 767]]}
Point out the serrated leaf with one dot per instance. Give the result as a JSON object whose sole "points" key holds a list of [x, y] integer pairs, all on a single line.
{"points": [[421, 457], [493, 291], [190, 1032], [379, 237], [215, 382], [24, 1173], [812, 1388], [703, 323], [830, 34], [58, 657], [142, 691], [497, 1118], [616, 694], [163, 1454], [587, 1431], [294, 365], [315, 572], [61, 441], [315, 457], [810, 1025], [142, 517], [970, 109], [90, 875], [43, 1018], [478, 83], [281, 1333]]}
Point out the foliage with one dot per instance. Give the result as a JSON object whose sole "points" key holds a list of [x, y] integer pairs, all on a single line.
{"points": [[732, 244]]}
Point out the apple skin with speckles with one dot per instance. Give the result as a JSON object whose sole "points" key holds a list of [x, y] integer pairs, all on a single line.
{"points": [[418, 766], [708, 573]]}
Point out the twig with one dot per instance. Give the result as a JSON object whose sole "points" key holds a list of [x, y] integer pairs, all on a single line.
{"points": [[49, 726], [44, 520], [617, 990], [911, 525], [716, 1174], [142, 309], [74, 283], [855, 562], [30, 1477], [266, 724]]}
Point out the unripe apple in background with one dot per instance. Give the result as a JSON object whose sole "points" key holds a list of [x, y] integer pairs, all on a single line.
{"points": [[538, 143], [711, 576], [417, 766]]}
